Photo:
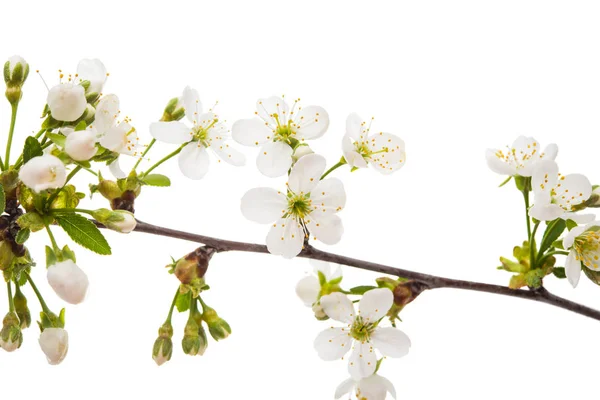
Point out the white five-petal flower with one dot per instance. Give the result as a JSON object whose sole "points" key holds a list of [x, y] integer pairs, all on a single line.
{"points": [[277, 129], [520, 158], [556, 195], [384, 151], [117, 136], [309, 287], [583, 243], [43, 172], [374, 387], [81, 145], [207, 132], [66, 101], [362, 333], [308, 205]]}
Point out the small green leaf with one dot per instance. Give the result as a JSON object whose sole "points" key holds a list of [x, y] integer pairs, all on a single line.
{"points": [[22, 236], [558, 244], [84, 232], [559, 272], [156, 180], [553, 232], [32, 149], [505, 181], [362, 289], [57, 139], [183, 301], [571, 224], [2, 199], [32, 221]]}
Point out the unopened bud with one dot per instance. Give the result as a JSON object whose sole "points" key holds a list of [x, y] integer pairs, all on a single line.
{"points": [[194, 265], [117, 220], [109, 189], [319, 312], [11, 336], [301, 151], [16, 71], [219, 328], [594, 200], [163, 346], [194, 340], [21, 308], [407, 291], [174, 110]]}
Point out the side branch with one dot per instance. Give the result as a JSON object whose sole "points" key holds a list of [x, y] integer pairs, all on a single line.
{"points": [[429, 281]]}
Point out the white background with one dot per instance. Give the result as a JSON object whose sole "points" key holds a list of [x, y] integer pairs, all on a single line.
{"points": [[450, 78]]}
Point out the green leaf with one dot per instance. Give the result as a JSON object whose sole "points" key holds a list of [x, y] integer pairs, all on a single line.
{"points": [[84, 232], [362, 289], [57, 139], [32, 149], [2, 199], [553, 232], [559, 272], [22, 236], [156, 180], [183, 301], [571, 224], [558, 244], [80, 126]]}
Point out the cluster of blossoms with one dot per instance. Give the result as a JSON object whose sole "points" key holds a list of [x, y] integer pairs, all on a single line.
{"points": [[83, 131], [559, 201]]}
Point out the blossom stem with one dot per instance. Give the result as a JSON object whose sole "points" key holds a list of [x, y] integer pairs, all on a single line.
{"points": [[67, 210], [38, 294], [165, 158], [428, 281], [526, 198], [52, 240], [336, 166], [173, 303], [144, 154], [550, 254], [532, 245], [13, 120], [11, 302]]}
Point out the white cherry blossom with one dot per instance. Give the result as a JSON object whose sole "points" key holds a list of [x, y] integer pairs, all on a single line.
{"points": [[55, 344], [583, 243], [361, 333], [556, 195], [43, 172], [520, 158], [118, 136], [309, 287], [277, 129], [384, 151], [308, 205], [66, 101], [94, 71], [81, 145], [207, 132], [374, 387], [69, 281]]}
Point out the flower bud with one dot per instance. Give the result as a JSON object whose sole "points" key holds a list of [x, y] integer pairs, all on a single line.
{"points": [[67, 102], [217, 326], [594, 199], [43, 172], [68, 281], [55, 344], [16, 71], [174, 110], [301, 151], [11, 336], [194, 265], [108, 189], [407, 291], [117, 220], [21, 308], [194, 340], [163, 346], [319, 312], [81, 145]]}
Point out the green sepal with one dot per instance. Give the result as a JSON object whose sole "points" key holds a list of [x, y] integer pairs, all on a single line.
{"points": [[360, 290], [505, 181], [67, 253], [558, 244], [22, 236], [183, 301], [559, 272], [571, 224], [593, 276], [336, 281], [81, 126], [51, 257], [322, 278], [57, 139]]}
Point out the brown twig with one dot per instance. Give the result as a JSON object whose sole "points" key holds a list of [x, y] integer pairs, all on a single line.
{"points": [[429, 281]]}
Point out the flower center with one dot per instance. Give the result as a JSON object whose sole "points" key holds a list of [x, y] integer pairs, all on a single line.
{"points": [[587, 248], [363, 149], [299, 205], [201, 133], [283, 132], [361, 330]]}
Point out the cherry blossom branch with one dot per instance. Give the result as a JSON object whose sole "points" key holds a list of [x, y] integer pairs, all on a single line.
{"points": [[428, 281]]}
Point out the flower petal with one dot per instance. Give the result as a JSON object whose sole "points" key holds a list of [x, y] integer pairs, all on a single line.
{"points": [[116, 170], [363, 361], [569, 239], [263, 205], [274, 159], [107, 112], [285, 238], [320, 266], [373, 387], [328, 197], [573, 269], [311, 122], [544, 176], [251, 132], [326, 228], [221, 146], [332, 343], [572, 190], [338, 306], [375, 304], [270, 107], [390, 152], [306, 173], [579, 218], [193, 161], [344, 388], [391, 342], [94, 71], [308, 289], [191, 103], [174, 132], [495, 161], [352, 157], [354, 127], [545, 212], [550, 152]]}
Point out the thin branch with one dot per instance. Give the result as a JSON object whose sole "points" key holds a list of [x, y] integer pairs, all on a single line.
{"points": [[429, 281]]}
